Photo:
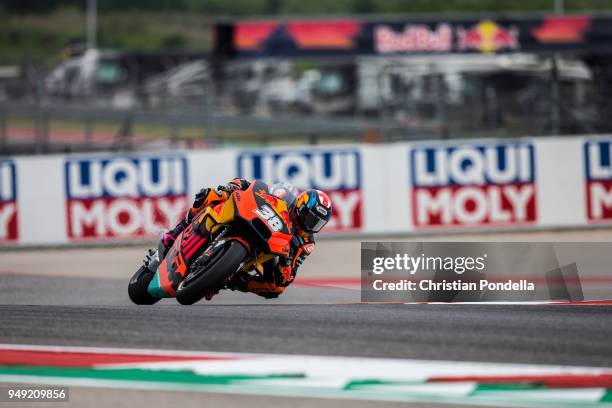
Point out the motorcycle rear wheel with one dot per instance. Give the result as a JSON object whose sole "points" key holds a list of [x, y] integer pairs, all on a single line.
{"points": [[212, 275], [139, 285]]}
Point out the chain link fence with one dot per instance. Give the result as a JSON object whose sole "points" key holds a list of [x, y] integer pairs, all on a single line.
{"points": [[104, 100]]}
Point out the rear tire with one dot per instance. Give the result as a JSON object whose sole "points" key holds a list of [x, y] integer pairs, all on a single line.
{"points": [[139, 285], [212, 275]]}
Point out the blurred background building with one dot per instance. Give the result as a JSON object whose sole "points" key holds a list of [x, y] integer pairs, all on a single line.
{"points": [[92, 75]]}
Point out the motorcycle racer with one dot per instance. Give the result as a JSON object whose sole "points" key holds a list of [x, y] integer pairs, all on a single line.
{"points": [[309, 212]]}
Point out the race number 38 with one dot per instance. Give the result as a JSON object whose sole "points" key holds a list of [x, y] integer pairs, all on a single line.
{"points": [[268, 215]]}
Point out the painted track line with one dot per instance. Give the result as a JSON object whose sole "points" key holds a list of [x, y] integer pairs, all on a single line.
{"points": [[500, 303], [472, 383]]}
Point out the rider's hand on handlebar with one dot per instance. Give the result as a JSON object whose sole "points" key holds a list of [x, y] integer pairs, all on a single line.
{"points": [[200, 197], [235, 184]]}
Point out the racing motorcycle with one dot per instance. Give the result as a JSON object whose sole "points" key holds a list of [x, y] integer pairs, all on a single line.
{"points": [[235, 236]]}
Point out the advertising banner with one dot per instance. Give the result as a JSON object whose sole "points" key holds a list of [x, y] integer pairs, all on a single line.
{"points": [[124, 197], [385, 189], [8, 202], [491, 34], [296, 38], [335, 171], [484, 36], [598, 184], [473, 185]]}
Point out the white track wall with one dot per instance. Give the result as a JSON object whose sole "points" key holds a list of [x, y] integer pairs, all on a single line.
{"points": [[375, 189]]}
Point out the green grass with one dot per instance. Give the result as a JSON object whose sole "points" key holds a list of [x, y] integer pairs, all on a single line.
{"points": [[185, 24], [41, 38]]}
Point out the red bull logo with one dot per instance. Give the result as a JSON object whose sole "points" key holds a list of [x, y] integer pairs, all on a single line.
{"points": [[414, 38], [488, 37], [270, 199]]}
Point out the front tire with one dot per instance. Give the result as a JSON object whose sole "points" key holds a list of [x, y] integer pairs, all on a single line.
{"points": [[211, 275], [139, 285]]}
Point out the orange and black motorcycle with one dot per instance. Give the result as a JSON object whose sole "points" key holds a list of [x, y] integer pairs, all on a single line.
{"points": [[235, 236]]}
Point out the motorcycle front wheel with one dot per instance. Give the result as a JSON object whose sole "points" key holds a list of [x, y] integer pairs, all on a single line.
{"points": [[223, 262], [139, 285]]}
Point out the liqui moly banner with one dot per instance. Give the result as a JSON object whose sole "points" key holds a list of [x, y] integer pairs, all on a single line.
{"points": [[473, 185], [335, 171], [8, 202], [125, 197], [598, 171]]}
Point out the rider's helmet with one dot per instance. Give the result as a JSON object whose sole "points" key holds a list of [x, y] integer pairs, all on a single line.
{"points": [[312, 210]]}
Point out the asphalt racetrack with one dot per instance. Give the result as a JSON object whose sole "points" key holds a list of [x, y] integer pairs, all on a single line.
{"points": [[74, 298], [568, 335]]}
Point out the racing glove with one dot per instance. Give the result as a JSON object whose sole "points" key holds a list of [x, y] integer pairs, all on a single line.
{"points": [[200, 197], [211, 196], [285, 273], [204, 198], [235, 184]]}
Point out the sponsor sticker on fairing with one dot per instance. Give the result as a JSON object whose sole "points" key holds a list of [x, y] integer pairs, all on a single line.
{"points": [[598, 171], [124, 197], [8, 202], [334, 171], [473, 185]]}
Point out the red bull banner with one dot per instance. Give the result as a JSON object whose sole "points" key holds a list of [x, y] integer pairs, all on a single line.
{"points": [[8, 202], [491, 34], [296, 37], [486, 36], [334, 171], [473, 185], [598, 184], [124, 197]]}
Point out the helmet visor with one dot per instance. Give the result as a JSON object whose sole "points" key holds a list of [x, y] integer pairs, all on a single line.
{"points": [[313, 222]]}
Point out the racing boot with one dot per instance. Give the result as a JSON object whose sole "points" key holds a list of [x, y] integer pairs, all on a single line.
{"points": [[210, 294], [170, 236]]}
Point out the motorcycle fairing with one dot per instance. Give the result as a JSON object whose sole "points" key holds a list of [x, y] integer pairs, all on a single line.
{"points": [[190, 243], [174, 266], [255, 197]]}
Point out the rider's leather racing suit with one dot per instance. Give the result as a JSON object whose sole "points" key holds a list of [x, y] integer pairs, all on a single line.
{"points": [[278, 272]]}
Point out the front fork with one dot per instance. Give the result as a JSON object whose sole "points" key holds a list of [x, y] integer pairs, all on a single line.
{"points": [[154, 259]]}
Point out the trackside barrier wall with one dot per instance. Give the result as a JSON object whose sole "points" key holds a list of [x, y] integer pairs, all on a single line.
{"points": [[375, 189]]}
